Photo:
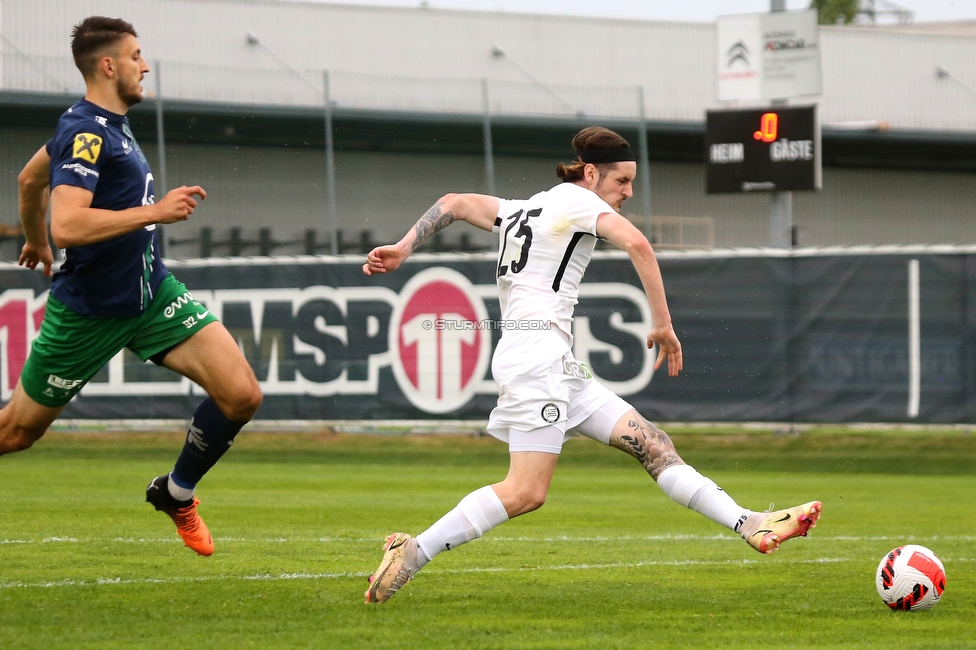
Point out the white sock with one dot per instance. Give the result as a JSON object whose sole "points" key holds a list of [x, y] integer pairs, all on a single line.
{"points": [[474, 516], [685, 485], [179, 493]]}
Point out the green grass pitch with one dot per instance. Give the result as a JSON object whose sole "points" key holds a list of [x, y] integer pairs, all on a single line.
{"points": [[609, 562]]}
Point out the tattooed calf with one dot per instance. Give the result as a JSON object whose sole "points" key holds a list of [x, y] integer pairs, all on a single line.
{"points": [[649, 445]]}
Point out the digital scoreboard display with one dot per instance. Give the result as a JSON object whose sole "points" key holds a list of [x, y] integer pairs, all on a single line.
{"points": [[762, 150]]}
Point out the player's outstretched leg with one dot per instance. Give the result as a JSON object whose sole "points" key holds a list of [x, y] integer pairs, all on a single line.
{"points": [[183, 513], [398, 566], [765, 531], [653, 448]]}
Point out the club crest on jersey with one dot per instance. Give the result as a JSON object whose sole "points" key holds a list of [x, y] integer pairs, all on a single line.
{"points": [[550, 413], [87, 147]]}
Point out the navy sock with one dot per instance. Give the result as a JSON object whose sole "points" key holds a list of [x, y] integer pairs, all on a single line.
{"points": [[208, 436]]}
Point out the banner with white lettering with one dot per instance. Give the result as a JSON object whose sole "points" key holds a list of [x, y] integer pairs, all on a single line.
{"points": [[783, 337]]}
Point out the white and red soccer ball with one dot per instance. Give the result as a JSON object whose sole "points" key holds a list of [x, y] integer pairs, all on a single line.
{"points": [[911, 578]]}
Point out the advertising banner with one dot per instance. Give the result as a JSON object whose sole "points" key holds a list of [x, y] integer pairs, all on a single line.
{"points": [[768, 56], [778, 337]]}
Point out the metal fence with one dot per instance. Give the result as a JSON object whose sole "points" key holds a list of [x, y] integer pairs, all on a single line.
{"points": [[286, 86], [336, 93]]}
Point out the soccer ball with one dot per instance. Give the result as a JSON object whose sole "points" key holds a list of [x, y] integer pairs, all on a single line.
{"points": [[911, 578]]}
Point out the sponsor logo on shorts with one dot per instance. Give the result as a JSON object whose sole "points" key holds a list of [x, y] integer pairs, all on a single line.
{"points": [[63, 384], [550, 413], [177, 304], [576, 369]]}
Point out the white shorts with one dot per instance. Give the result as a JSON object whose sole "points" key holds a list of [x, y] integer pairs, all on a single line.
{"points": [[544, 393]]}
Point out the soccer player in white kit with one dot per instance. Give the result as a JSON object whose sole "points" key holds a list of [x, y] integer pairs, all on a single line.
{"points": [[543, 393]]}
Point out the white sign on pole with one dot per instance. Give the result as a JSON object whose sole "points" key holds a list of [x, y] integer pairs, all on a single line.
{"points": [[768, 56]]}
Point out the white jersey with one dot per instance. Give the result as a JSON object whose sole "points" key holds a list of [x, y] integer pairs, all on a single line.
{"points": [[545, 244]]}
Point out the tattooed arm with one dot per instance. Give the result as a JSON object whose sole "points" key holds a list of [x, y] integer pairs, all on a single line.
{"points": [[649, 445], [477, 209]]}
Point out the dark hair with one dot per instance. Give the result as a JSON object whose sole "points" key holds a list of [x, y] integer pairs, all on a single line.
{"points": [[592, 138], [92, 36]]}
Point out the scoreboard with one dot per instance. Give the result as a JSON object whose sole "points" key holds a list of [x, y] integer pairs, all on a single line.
{"points": [[763, 150]]}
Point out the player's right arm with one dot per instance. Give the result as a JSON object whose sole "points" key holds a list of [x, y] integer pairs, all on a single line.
{"points": [[75, 223], [32, 197], [477, 209]]}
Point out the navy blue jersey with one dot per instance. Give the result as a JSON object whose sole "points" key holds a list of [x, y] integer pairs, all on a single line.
{"points": [[94, 149]]}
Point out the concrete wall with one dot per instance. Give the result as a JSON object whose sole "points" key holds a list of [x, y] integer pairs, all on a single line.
{"points": [[378, 55]]}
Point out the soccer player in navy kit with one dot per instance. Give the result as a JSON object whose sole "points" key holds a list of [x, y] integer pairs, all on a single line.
{"points": [[113, 290]]}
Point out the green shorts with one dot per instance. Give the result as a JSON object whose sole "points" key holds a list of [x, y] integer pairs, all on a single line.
{"points": [[72, 347]]}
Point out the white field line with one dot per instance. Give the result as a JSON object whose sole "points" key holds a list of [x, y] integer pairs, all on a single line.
{"points": [[370, 540], [100, 582], [720, 537]]}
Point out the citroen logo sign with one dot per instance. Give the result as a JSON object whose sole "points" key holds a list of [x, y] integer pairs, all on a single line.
{"points": [[738, 52]]}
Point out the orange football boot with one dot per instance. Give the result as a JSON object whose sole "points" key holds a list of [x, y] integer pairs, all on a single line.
{"points": [[183, 513]]}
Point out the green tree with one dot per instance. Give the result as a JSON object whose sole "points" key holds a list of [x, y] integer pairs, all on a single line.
{"points": [[832, 12]]}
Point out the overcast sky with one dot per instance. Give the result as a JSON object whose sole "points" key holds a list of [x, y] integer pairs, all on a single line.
{"points": [[681, 10]]}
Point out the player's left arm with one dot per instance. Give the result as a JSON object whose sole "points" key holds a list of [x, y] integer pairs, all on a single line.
{"points": [[478, 210], [624, 235], [33, 196]]}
